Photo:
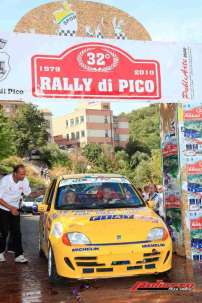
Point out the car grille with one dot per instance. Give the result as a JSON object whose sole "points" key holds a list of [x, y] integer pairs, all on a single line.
{"points": [[92, 264]]}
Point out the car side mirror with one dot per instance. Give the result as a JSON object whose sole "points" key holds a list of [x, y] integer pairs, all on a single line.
{"points": [[151, 204], [39, 208]]}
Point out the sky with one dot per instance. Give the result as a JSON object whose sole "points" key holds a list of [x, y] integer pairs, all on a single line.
{"points": [[165, 20]]}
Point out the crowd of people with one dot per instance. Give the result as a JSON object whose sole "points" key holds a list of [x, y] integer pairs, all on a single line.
{"points": [[152, 192]]}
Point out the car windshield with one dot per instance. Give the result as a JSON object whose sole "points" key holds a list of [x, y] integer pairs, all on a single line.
{"points": [[97, 193]]}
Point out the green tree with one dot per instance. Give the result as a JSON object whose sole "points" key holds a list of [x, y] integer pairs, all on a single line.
{"points": [[53, 156], [7, 146], [100, 158], [137, 158], [144, 126], [149, 171], [134, 146], [93, 152], [30, 130]]}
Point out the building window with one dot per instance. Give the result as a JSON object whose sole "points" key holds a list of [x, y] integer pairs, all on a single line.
{"points": [[77, 135], [81, 119], [67, 123], [82, 133], [116, 137], [77, 121], [105, 106], [72, 136], [48, 124], [67, 136], [7, 109], [106, 133], [72, 122], [106, 120]]}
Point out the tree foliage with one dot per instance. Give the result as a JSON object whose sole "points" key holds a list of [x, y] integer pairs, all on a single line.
{"points": [[92, 152], [144, 126], [7, 146], [30, 129], [134, 146], [140, 161], [149, 171], [53, 156]]}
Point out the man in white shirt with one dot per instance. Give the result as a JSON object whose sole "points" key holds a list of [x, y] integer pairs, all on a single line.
{"points": [[12, 188]]}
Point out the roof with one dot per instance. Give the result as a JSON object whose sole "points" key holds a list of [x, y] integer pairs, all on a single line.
{"points": [[45, 111], [16, 102], [77, 176]]}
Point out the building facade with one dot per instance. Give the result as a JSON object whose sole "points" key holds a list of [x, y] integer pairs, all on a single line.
{"points": [[10, 108], [91, 122], [48, 116]]}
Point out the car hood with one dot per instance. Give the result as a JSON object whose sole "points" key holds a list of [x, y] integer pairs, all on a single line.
{"points": [[109, 226]]}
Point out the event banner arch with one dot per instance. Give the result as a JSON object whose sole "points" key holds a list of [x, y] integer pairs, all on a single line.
{"points": [[41, 66]]}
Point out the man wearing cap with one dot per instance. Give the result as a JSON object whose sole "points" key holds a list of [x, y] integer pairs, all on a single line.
{"points": [[12, 189]]}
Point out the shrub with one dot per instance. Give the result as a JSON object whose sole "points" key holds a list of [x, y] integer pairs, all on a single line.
{"points": [[53, 156]]}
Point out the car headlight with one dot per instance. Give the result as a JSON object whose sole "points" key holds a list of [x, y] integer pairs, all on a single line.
{"points": [[157, 233], [57, 230], [78, 238]]}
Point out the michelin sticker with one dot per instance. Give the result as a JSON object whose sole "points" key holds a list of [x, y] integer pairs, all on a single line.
{"points": [[80, 249], [153, 245]]}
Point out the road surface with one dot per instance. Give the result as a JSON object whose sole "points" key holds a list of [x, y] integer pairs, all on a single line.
{"points": [[29, 284]]}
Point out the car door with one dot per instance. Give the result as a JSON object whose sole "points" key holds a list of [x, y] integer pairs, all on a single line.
{"points": [[45, 217]]}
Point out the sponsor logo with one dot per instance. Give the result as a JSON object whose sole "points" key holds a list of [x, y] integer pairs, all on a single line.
{"points": [[85, 249], [153, 245], [118, 237], [111, 217], [161, 285], [123, 217], [95, 70]]}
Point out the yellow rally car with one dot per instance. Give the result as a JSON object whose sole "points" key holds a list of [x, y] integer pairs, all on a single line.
{"points": [[97, 226]]}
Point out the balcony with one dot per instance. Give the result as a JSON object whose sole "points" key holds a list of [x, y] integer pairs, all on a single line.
{"points": [[59, 140]]}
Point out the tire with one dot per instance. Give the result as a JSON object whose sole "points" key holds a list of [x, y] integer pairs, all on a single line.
{"points": [[40, 252], [23, 210], [164, 274], [52, 272]]}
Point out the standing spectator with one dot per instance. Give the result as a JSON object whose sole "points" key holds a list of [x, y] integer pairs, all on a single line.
{"points": [[46, 173], [160, 190], [154, 196], [145, 193], [12, 188]]}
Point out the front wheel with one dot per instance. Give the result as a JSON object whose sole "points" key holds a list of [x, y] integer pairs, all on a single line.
{"points": [[164, 274], [41, 252], [52, 272]]}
